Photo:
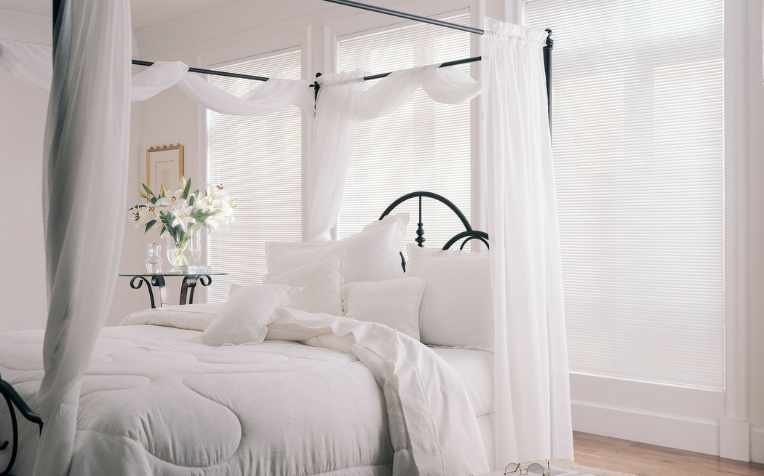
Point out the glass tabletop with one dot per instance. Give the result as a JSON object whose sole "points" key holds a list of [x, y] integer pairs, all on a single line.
{"points": [[177, 272]]}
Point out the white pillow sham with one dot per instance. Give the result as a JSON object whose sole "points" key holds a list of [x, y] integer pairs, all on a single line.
{"points": [[193, 317], [456, 307], [321, 284], [370, 255], [394, 303], [244, 318]]}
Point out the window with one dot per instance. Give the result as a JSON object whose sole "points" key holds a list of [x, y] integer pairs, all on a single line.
{"points": [[259, 160], [638, 117], [421, 146]]}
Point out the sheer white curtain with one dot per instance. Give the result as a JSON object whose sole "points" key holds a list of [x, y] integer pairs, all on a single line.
{"points": [[532, 395], [85, 176], [343, 100], [32, 63]]}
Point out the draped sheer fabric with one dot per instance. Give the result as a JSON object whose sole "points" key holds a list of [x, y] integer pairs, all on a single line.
{"points": [[84, 194], [85, 179], [343, 100], [531, 383], [32, 63]]}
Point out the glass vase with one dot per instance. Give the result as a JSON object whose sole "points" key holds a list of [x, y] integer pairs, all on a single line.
{"points": [[184, 254]]}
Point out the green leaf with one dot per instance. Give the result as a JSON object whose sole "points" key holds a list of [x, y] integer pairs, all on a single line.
{"points": [[186, 188], [149, 224], [147, 190]]}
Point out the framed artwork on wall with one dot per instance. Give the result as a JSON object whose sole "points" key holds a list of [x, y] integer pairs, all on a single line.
{"points": [[164, 166]]}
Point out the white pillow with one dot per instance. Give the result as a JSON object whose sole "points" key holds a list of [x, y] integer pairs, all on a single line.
{"points": [[394, 302], [456, 308], [321, 284], [370, 255], [247, 313], [194, 317]]}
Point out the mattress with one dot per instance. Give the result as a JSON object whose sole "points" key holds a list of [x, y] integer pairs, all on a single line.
{"points": [[475, 367], [177, 406]]}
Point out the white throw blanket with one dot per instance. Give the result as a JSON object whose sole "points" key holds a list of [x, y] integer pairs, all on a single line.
{"points": [[432, 425], [156, 401]]}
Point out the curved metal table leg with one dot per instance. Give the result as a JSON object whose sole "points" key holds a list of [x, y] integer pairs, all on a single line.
{"points": [[137, 282], [188, 287]]}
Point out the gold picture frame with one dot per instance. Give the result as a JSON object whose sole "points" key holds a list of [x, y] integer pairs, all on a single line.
{"points": [[165, 165]]}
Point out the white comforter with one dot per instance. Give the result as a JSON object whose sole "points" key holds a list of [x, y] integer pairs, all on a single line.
{"points": [[158, 402]]}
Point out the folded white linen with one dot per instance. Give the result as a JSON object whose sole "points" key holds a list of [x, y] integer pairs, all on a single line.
{"points": [[432, 425], [192, 317]]}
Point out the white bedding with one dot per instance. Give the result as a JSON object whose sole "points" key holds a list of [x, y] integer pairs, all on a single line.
{"points": [[158, 402]]}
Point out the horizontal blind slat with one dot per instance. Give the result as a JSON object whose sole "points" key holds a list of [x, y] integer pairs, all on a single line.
{"points": [[421, 146], [259, 160], [638, 116]]}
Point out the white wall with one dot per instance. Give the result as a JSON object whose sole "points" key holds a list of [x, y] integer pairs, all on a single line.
{"points": [[22, 124]]}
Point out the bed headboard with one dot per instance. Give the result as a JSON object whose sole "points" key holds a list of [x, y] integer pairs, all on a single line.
{"points": [[465, 236]]}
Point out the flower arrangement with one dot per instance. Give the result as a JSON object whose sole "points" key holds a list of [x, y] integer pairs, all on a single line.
{"points": [[181, 214]]}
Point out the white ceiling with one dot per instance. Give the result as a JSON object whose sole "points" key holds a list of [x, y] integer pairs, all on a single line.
{"points": [[145, 12]]}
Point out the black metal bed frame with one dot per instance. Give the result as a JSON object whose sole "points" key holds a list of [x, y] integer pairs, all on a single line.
{"points": [[465, 236], [15, 402]]}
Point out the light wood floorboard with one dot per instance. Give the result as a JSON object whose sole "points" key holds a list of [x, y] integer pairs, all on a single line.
{"points": [[648, 460]]}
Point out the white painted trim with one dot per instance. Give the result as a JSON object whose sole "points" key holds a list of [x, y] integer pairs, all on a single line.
{"points": [[659, 414], [700, 435], [735, 439], [649, 397], [757, 444], [734, 432]]}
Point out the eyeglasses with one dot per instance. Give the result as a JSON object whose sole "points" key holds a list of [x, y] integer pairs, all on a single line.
{"points": [[522, 469]]}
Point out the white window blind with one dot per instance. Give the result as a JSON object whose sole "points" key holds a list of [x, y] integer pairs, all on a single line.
{"points": [[638, 113], [421, 146], [259, 160]]}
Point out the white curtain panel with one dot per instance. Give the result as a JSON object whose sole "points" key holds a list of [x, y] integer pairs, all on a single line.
{"points": [[271, 96], [84, 194], [532, 391], [329, 154], [32, 63], [345, 99]]}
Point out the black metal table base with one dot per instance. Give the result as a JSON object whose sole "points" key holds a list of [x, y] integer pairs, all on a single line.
{"points": [[158, 283]]}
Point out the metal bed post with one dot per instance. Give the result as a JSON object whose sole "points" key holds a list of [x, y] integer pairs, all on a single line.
{"points": [[14, 401], [548, 74]]}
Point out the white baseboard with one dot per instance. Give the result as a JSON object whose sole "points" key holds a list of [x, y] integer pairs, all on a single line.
{"points": [[675, 431], [757, 444], [735, 439]]}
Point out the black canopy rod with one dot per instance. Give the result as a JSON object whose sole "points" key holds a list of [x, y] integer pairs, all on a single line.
{"points": [[213, 72], [407, 16], [384, 11]]}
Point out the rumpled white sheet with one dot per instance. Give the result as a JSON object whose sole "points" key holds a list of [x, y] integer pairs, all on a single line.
{"points": [[431, 422]]}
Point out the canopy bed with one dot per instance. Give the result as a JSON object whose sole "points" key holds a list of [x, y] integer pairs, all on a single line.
{"points": [[420, 410]]}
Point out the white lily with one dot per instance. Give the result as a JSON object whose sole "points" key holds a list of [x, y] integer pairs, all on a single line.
{"points": [[182, 215]]}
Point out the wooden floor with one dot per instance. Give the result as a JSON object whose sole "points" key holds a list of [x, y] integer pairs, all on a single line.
{"points": [[648, 460]]}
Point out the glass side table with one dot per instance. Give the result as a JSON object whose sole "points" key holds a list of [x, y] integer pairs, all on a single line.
{"points": [[157, 282]]}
